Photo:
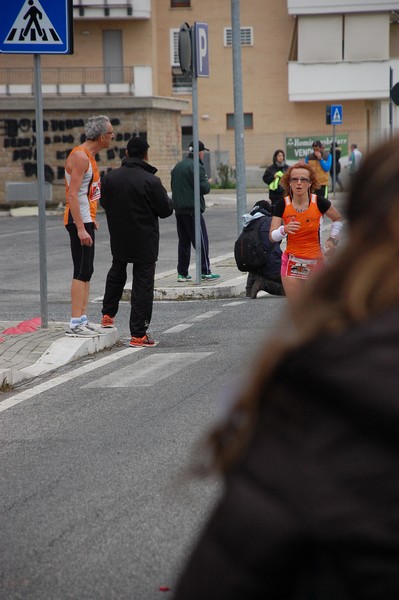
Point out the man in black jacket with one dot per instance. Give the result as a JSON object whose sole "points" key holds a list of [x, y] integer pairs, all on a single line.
{"points": [[133, 198]]}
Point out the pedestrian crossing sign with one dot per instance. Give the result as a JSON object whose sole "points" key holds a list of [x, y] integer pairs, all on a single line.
{"points": [[36, 27], [336, 114]]}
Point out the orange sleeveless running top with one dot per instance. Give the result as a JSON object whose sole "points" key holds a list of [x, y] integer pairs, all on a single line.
{"points": [[89, 192], [305, 243]]}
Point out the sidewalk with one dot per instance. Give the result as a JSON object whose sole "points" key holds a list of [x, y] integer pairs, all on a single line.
{"points": [[24, 356]]}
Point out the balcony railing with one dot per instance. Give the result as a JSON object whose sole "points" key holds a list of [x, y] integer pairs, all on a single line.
{"points": [[57, 81], [112, 9]]}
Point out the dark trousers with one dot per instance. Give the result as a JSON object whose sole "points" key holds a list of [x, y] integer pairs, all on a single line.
{"points": [[322, 191], [142, 296], [186, 233], [82, 256]]}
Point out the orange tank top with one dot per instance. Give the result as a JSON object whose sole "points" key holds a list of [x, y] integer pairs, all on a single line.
{"points": [[305, 243], [89, 191]]}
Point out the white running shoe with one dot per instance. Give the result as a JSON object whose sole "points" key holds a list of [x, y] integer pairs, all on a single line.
{"points": [[95, 327], [81, 331]]}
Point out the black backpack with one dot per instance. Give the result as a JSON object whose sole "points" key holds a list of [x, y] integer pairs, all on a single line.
{"points": [[249, 252]]}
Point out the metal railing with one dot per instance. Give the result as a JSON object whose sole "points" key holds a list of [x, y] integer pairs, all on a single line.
{"points": [[61, 80]]}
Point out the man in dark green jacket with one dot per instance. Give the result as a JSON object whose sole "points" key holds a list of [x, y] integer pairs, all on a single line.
{"points": [[182, 184]]}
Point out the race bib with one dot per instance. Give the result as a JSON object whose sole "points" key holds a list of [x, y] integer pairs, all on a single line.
{"points": [[95, 191], [300, 267]]}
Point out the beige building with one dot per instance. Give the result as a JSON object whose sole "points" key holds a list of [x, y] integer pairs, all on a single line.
{"points": [[298, 56]]}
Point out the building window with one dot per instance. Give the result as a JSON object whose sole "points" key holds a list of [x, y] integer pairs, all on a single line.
{"points": [[247, 36], [181, 84], [248, 121], [178, 3], [174, 47]]}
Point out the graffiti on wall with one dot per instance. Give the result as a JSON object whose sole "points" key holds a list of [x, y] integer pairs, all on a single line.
{"points": [[20, 140]]}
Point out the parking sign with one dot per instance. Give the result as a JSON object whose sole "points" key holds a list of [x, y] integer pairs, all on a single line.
{"points": [[201, 49]]}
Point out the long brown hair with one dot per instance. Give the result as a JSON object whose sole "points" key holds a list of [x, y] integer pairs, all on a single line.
{"points": [[362, 280]]}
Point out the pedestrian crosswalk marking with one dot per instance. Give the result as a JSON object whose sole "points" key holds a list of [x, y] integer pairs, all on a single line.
{"points": [[149, 371], [32, 26]]}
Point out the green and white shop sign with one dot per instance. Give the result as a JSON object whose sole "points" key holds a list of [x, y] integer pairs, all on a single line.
{"points": [[297, 148]]}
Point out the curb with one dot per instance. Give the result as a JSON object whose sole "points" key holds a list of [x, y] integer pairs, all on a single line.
{"points": [[60, 352]]}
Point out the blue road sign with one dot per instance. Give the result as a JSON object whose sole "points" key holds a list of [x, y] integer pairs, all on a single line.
{"points": [[336, 114], [36, 27], [201, 49]]}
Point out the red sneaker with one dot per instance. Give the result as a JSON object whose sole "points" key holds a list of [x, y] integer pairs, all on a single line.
{"points": [[141, 341], [107, 321]]}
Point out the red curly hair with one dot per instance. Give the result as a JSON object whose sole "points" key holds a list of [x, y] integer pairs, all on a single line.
{"points": [[285, 180]]}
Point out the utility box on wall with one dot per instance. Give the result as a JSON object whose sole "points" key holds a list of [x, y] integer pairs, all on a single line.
{"points": [[19, 191]]}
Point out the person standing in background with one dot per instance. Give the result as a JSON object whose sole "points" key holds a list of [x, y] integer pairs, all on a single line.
{"points": [[320, 160], [272, 176], [182, 185], [335, 150], [355, 158], [82, 182]]}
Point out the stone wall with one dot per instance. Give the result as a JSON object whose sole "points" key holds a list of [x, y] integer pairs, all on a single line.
{"points": [[64, 129]]}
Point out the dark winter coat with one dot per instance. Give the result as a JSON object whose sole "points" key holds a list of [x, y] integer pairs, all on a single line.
{"points": [[337, 162], [272, 267], [312, 511], [268, 178], [182, 185], [133, 198]]}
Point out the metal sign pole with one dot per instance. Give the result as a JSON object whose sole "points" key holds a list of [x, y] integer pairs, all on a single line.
{"points": [[197, 205], [241, 183], [334, 162], [40, 190], [390, 102]]}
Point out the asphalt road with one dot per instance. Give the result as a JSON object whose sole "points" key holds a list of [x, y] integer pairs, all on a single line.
{"points": [[97, 502]]}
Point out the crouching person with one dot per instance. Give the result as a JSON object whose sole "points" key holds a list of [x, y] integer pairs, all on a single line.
{"points": [[266, 277]]}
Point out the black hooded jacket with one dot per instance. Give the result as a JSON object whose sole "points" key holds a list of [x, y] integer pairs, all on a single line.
{"points": [[134, 198], [312, 510]]}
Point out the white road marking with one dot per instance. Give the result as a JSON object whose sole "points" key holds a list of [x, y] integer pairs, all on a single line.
{"points": [[207, 315], [149, 370], [178, 328], [235, 303], [48, 385]]}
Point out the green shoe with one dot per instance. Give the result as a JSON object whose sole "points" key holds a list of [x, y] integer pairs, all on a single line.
{"points": [[183, 278], [210, 276]]}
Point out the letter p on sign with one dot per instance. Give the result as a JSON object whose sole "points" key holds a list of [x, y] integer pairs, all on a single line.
{"points": [[201, 49]]}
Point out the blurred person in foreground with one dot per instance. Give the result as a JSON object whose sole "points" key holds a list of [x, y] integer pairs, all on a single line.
{"points": [[309, 451]]}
